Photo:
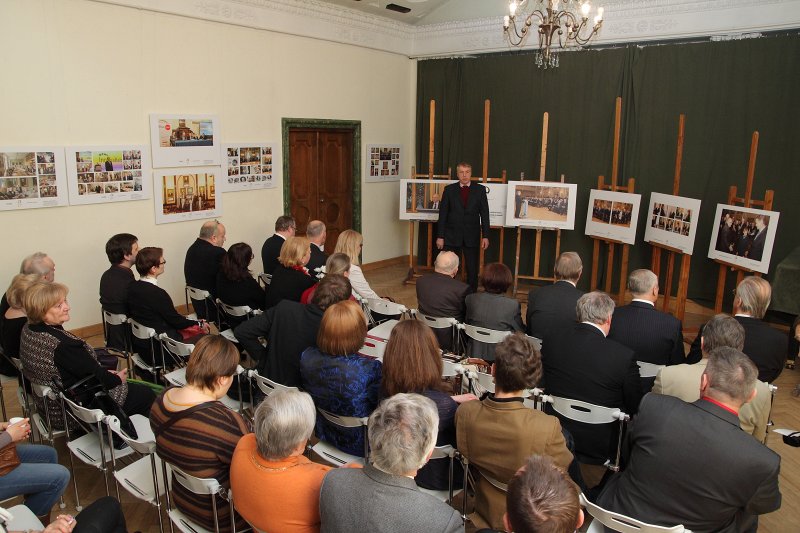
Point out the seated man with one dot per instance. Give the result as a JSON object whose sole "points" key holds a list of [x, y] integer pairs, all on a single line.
{"points": [[553, 306], [289, 328], [766, 346], [316, 234], [285, 227], [382, 497], [498, 433], [691, 464], [440, 295], [683, 381], [121, 251], [580, 363], [202, 264], [541, 498]]}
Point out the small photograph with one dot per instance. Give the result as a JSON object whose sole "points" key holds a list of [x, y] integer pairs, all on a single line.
{"points": [[136, 154], [137, 184], [86, 178], [672, 221], [126, 186], [48, 191], [107, 161], [267, 159], [126, 154], [94, 188], [233, 161], [46, 168], [185, 132], [233, 171], [136, 174], [233, 151], [17, 164], [744, 237], [126, 176], [267, 168], [386, 154], [255, 169], [250, 154], [127, 164], [83, 157], [613, 215], [137, 163], [101, 176], [45, 157], [50, 181], [85, 166], [251, 179], [81, 188], [267, 150], [111, 188]]}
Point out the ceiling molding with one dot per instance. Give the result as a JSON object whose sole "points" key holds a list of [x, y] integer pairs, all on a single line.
{"points": [[625, 21]]}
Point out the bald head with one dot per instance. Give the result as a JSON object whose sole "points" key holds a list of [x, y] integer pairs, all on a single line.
{"points": [[446, 263], [316, 233], [39, 263], [214, 232]]}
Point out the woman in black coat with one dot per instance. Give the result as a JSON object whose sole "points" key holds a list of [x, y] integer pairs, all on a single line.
{"points": [[291, 278], [235, 284]]}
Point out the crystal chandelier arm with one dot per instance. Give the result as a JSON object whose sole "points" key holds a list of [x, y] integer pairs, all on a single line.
{"points": [[520, 34]]}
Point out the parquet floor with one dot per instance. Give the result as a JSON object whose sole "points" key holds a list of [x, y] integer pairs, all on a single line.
{"points": [[388, 281]]}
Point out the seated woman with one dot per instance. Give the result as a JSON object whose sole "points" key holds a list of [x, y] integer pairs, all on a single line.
{"points": [[235, 285], [14, 320], [412, 363], [340, 380], [272, 459], [151, 306], [491, 309], [336, 264], [38, 477], [350, 243], [54, 357], [290, 279], [197, 433]]}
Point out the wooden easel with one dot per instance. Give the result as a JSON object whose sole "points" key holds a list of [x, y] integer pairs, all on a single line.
{"points": [[746, 201], [611, 243], [538, 246], [487, 105], [655, 262]]}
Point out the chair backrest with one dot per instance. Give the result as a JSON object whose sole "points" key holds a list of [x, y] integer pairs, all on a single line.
{"points": [[266, 385], [484, 382], [373, 348], [343, 421], [43, 391], [648, 370], [385, 307], [451, 369], [197, 485], [140, 331], [625, 524], [265, 278], [485, 335], [437, 322], [90, 416], [234, 310], [197, 294], [181, 349], [442, 452], [585, 412], [142, 446], [114, 319], [536, 341]]}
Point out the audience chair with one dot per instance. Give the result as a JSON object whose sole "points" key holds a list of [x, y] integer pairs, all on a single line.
{"points": [[386, 308], [373, 348], [121, 321], [451, 369], [265, 279], [331, 454], [238, 311], [201, 486], [622, 523], [178, 378], [648, 370], [45, 427], [484, 335], [193, 294], [178, 351], [144, 478], [589, 413], [266, 385], [773, 390], [147, 334], [23, 519], [443, 323], [440, 453], [22, 393]]}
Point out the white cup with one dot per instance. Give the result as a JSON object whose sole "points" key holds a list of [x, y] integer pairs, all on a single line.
{"points": [[15, 420]]}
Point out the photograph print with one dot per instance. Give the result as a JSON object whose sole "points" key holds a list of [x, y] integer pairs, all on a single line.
{"points": [[100, 174], [186, 194], [743, 237], [184, 140], [32, 177], [672, 221], [613, 215], [541, 204], [248, 166], [383, 162], [419, 199]]}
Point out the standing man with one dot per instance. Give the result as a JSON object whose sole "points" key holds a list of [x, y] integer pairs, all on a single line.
{"points": [[463, 215], [285, 227], [757, 248], [316, 233], [202, 264]]}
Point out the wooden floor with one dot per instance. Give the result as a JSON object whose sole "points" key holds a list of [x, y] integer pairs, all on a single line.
{"points": [[388, 281]]}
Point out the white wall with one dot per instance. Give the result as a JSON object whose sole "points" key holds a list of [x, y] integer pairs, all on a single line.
{"points": [[80, 72]]}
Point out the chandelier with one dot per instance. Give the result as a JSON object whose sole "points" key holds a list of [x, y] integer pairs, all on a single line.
{"points": [[555, 19]]}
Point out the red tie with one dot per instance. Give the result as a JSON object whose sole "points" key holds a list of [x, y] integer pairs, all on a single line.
{"points": [[464, 195]]}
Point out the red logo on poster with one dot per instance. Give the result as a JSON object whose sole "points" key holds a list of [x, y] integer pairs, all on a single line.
{"points": [[167, 127]]}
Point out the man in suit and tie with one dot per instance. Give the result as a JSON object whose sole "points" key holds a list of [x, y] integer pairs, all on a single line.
{"points": [[463, 216], [655, 337], [553, 306], [691, 464], [435, 201], [440, 295], [757, 248], [382, 497], [203, 259], [580, 363], [683, 381], [766, 346], [285, 227], [316, 233]]}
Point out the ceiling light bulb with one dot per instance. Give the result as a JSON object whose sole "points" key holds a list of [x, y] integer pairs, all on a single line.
{"points": [[585, 8]]}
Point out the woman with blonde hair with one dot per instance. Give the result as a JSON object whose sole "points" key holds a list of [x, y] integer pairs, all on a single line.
{"points": [[338, 378], [350, 243], [290, 278], [337, 263], [14, 320]]}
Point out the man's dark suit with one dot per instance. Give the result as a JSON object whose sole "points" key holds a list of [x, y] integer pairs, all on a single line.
{"points": [[691, 464], [726, 239], [461, 226], [114, 285], [318, 258], [290, 328], [757, 248], [581, 364], [200, 270], [655, 337], [441, 296], [551, 307], [766, 346], [270, 252]]}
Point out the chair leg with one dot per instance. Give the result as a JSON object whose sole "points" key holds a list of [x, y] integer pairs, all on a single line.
{"points": [[156, 488], [465, 462], [113, 459], [78, 506]]}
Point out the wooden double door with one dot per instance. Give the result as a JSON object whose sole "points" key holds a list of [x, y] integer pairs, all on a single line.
{"points": [[321, 180]]}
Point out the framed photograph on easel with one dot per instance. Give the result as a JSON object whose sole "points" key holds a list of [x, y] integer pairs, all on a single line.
{"points": [[541, 204], [744, 236], [613, 215], [672, 221]]}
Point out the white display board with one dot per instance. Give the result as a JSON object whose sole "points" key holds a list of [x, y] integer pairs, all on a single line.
{"points": [[187, 194], [184, 140], [613, 215], [541, 204], [249, 166], [672, 221], [32, 176], [743, 236], [99, 174]]}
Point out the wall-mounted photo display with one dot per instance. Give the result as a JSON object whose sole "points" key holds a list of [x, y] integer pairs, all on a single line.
{"points": [[613, 215], [32, 177], [743, 236], [184, 140], [187, 194], [672, 221], [99, 174], [383, 162], [420, 199], [541, 204], [249, 166]]}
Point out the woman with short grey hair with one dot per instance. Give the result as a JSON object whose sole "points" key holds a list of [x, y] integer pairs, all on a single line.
{"points": [[272, 459]]}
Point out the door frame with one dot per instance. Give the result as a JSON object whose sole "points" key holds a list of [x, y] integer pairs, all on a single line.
{"points": [[324, 124]]}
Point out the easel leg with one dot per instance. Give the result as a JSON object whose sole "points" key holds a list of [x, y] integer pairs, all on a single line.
{"points": [[720, 289], [609, 266], [668, 281], [595, 259]]}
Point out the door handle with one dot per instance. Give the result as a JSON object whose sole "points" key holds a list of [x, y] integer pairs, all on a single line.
{"points": [[322, 200]]}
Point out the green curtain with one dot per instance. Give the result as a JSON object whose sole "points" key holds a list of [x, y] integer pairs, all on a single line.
{"points": [[727, 90]]}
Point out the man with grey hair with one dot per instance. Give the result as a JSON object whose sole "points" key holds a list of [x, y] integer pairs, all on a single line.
{"points": [[440, 295], [580, 363], [691, 464], [285, 227], [654, 336], [201, 265], [382, 497], [36, 263], [764, 345], [316, 233], [683, 381], [553, 306]]}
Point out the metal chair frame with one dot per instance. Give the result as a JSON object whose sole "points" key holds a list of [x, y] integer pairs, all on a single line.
{"points": [[442, 323], [193, 293], [348, 422], [119, 319], [143, 332], [622, 523], [201, 486]]}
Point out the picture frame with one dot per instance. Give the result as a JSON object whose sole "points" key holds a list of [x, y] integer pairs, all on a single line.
{"points": [[496, 194], [184, 140], [32, 177], [174, 194], [672, 221], [541, 204], [743, 236], [613, 215], [249, 166], [123, 170], [383, 162], [419, 198]]}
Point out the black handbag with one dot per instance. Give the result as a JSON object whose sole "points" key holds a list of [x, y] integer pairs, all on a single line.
{"points": [[90, 393]]}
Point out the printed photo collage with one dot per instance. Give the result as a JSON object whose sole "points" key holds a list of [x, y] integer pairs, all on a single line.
{"points": [[384, 161], [107, 172], [671, 218], [25, 175], [249, 164]]}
